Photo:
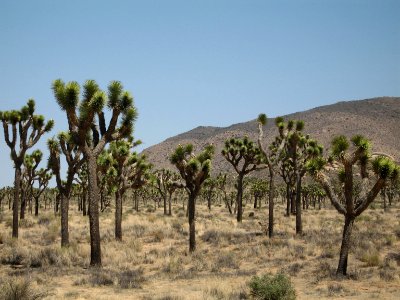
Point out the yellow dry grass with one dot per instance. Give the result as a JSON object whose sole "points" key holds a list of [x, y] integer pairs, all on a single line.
{"points": [[152, 261]]}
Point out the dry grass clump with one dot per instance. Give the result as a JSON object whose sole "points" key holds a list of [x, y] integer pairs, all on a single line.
{"points": [[225, 260], [20, 289], [371, 258], [26, 223]]}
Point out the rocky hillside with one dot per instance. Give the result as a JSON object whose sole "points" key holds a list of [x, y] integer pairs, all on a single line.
{"points": [[377, 118]]}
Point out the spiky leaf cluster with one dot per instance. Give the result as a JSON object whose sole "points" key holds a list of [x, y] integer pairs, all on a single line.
{"points": [[242, 150], [194, 169]]}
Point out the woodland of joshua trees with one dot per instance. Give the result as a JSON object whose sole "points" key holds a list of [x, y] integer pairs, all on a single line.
{"points": [[292, 175]]}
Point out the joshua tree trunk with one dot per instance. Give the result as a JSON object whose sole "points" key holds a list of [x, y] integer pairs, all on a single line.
{"points": [[293, 202], [344, 249], [169, 205], [239, 200], [299, 225], [84, 202], [95, 253], [17, 187], [118, 215], [271, 203], [64, 220], [288, 200], [165, 203], [36, 206], [192, 222], [23, 206]]}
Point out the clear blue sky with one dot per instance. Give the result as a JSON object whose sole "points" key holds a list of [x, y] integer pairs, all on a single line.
{"points": [[191, 63]]}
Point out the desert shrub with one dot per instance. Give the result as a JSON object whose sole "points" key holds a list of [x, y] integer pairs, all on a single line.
{"points": [[53, 231], [15, 255], [215, 237], [270, 287], [158, 235], [45, 219], [225, 260], [129, 279], [214, 293], [294, 269], [169, 297], [8, 222], [173, 266], [388, 270], [101, 277], [322, 271], [138, 230], [26, 223], [371, 258], [335, 289], [328, 251], [177, 225], [150, 208], [20, 289]]}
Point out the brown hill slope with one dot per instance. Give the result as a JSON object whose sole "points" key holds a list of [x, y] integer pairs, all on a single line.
{"points": [[377, 118]]}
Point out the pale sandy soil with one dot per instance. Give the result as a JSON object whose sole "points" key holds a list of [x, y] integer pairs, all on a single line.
{"points": [[152, 262]]}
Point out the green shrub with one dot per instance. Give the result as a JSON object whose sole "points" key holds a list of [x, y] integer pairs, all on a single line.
{"points": [[270, 287]]}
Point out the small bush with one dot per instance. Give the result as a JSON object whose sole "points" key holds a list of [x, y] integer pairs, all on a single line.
{"points": [[269, 287], [158, 236], [174, 266], [15, 256], [20, 288], [225, 260], [138, 230], [131, 279], [372, 259], [45, 219], [101, 278], [26, 223], [335, 289]]}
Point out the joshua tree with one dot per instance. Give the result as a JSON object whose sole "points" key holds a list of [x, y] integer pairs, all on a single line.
{"points": [[73, 156], [42, 177], [166, 182], [383, 167], [194, 170], [123, 170], [92, 137], [245, 157], [209, 190], [299, 149], [272, 159], [31, 163], [259, 188], [28, 128]]}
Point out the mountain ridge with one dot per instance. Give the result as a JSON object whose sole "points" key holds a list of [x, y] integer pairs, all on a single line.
{"points": [[376, 118]]}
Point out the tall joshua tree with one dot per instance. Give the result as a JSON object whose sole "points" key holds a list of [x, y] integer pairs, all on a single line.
{"points": [[272, 159], [299, 149], [28, 128], [245, 157], [348, 159], [73, 156], [194, 170], [91, 136]]}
